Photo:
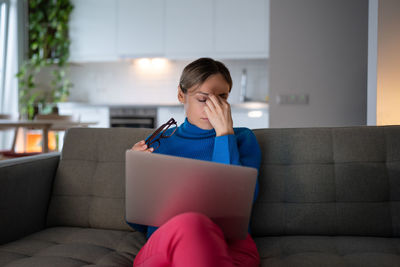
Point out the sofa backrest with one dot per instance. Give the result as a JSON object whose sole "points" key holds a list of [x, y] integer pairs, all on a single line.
{"points": [[89, 187], [329, 181], [322, 181]]}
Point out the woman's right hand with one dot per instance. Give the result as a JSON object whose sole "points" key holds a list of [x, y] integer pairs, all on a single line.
{"points": [[141, 146]]}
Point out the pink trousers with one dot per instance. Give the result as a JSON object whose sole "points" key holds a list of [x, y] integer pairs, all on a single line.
{"points": [[192, 239]]}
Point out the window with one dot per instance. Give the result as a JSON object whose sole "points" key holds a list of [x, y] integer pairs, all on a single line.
{"points": [[4, 12]]}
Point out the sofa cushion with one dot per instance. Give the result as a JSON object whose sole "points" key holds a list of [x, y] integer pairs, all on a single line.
{"points": [[328, 251], [329, 181], [89, 187], [73, 246]]}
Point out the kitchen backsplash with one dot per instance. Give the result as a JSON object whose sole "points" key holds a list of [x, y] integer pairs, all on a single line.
{"points": [[140, 82]]}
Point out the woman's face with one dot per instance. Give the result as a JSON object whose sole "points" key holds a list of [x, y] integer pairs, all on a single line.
{"points": [[195, 98]]}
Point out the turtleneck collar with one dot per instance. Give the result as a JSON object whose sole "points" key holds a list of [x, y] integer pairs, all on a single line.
{"points": [[187, 129]]}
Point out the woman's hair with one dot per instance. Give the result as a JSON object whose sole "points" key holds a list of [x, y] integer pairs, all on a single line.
{"points": [[199, 70]]}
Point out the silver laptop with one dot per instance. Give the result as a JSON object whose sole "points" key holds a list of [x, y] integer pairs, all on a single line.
{"points": [[159, 187]]}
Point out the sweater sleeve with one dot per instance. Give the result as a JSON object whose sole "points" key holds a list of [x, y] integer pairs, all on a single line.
{"points": [[238, 149]]}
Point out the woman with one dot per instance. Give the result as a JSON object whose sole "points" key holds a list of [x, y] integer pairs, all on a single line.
{"points": [[192, 239]]}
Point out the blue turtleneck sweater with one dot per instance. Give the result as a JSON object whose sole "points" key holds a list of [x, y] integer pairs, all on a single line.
{"points": [[190, 141]]}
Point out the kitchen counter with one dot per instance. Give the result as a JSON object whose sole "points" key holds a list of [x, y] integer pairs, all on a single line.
{"points": [[247, 114]]}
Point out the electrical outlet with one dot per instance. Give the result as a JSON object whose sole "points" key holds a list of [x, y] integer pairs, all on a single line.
{"points": [[302, 99], [288, 99]]}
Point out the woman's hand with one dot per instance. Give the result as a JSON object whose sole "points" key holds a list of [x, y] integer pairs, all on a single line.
{"points": [[218, 112], [141, 146]]}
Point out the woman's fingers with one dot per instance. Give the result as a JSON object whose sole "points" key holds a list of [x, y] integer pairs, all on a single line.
{"points": [[207, 111], [210, 105], [224, 103], [219, 114], [140, 146], [218, 106], [215, 103], [149, 150]]}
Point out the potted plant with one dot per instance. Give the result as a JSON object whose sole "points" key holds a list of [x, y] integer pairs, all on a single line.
{"points": [[48, 47]]}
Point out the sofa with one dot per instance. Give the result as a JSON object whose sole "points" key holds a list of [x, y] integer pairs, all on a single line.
{"points": [[327, 197]]}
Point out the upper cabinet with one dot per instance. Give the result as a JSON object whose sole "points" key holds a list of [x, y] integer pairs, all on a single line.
{"points": [[92, 30], [241, 28], [189, 28], [108, 30], [140, 28], [217, 28]]}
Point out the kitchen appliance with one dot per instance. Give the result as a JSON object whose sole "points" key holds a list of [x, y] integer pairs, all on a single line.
{"points": [[133, 117]]}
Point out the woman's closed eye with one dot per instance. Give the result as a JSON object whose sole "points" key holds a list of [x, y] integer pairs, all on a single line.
{"points": [[202, 100]]}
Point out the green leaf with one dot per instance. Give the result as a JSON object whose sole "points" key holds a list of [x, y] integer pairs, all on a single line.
{"points": [[34, 46], [49, 45]]}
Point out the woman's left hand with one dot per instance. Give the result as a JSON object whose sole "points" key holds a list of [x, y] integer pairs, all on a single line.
{"points": [[218, 112]]}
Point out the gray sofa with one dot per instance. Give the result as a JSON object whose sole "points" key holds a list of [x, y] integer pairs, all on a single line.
{"points": [[328, 197]]}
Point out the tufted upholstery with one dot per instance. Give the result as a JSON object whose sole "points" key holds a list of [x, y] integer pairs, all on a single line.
{"points": [[73, 246], [328, 197], [328, 251], [89, 188], [329, 181]]}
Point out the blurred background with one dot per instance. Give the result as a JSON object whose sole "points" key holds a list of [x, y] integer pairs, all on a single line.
{"points": [[117, 63]]}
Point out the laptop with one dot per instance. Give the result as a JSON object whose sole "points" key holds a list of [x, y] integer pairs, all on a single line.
{"points": [[159, 187]]}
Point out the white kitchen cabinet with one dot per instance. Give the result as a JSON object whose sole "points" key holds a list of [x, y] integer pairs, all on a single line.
{"points": [[189, 28], [242, 28], [217, 28], [140, 28], [107, 30], [92, 30]]}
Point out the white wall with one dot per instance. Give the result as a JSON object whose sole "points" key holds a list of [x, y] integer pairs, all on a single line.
{"points": [[319, 47]]}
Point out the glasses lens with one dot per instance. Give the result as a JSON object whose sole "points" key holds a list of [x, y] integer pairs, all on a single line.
{"points": [[161, 132], [171, 133], [165, 134]]}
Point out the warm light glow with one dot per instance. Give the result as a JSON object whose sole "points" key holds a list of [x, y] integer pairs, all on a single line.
{"points": [[388, 65], [31, 141], [144, 63], [151, 65], [159, 63], [20, 141], [255, 114]]}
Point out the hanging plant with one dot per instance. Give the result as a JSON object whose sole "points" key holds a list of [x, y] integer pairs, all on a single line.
{"points": [[48, 46]]}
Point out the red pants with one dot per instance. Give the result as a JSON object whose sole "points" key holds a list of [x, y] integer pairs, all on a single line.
{"points": [[192, 239]]}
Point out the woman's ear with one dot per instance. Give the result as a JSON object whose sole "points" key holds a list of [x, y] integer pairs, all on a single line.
{"points": [[181, 95]]}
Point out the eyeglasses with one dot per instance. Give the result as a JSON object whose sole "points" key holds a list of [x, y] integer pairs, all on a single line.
{"points": [[162, 129]]}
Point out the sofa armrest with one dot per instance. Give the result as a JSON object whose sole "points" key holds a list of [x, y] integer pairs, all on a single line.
{"points": [[25, 188]]}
